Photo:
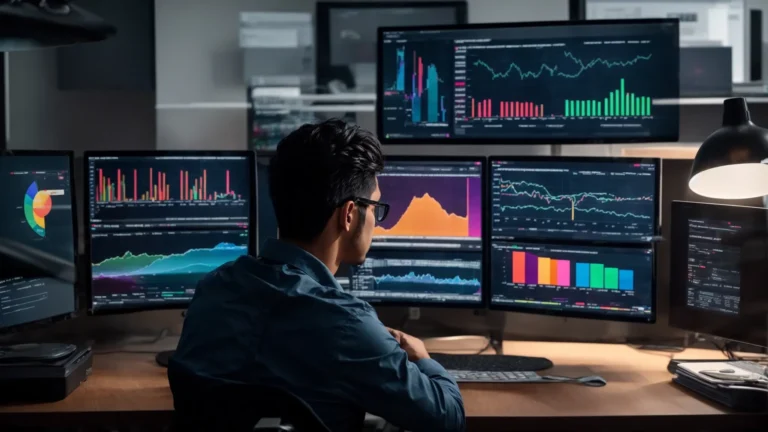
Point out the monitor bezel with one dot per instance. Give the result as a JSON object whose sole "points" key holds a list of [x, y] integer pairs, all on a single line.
{"points": [[551, 241], [484, 285], [77, 286], [323, 25], [689, 318], [510, 141], [87, 266], [260, 154]]}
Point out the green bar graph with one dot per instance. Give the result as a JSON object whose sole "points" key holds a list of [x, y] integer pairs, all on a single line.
{"points": [[611, 278], [619, 102], [596, 275]]}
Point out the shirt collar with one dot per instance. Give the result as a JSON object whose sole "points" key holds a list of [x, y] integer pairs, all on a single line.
{"points": [[287, 253]]}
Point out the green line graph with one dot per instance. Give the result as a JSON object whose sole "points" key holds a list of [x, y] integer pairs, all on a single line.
{"points": [[619, 102], [554, 71]]}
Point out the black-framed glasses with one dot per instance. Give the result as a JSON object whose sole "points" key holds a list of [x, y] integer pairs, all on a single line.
{"points": [[380, 209]]}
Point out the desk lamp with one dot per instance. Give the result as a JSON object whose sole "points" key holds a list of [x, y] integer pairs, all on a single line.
{"points": [[732, 163]]}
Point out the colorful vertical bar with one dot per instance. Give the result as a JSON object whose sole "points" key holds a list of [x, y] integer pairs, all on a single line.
{"points": [[596, 275], [582, 275], [611, 278], [626, 280], [518, 267], [544, 272], [563, 273], [531, 268]]}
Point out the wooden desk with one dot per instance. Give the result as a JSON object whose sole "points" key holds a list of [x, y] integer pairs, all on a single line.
{"points": [[129, 389]]}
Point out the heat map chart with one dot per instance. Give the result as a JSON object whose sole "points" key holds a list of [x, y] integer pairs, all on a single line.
{"points": [[579, 200], [425, 206]]}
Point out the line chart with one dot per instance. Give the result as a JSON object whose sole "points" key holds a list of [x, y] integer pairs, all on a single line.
{"points": [[555, 70], [574, 199]]}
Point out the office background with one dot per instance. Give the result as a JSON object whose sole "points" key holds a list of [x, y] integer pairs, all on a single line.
{"points": [[198, 60]]}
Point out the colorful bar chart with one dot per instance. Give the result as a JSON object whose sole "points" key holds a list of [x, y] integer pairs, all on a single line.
{"points": [[530, 269], [159, 189], [487, 108], [618, 103]]}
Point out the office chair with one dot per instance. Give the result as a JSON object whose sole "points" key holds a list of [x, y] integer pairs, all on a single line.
{"points": [[203, 404]]}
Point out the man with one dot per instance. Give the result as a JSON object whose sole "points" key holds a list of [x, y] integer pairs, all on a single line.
{"points": [[282, 319]]}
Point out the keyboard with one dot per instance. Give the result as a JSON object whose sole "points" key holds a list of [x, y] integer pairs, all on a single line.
{"points": [[494, 377], [491, 363]]}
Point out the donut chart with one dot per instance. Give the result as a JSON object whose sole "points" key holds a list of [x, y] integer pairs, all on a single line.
{"points": [[37, 205]]}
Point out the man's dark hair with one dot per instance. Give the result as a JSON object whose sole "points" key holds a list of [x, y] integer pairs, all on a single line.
{"points": [[315, 169]]}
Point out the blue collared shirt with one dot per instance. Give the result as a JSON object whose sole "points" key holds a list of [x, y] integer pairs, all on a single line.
{"points": [[283, 320]]}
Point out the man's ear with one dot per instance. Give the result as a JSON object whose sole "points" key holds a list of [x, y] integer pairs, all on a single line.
{"points": [[346, 215]]}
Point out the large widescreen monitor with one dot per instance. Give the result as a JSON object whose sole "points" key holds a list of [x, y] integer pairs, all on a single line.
{"points": [[159, 221], [38, 211], [429, 250], [523, 83]]}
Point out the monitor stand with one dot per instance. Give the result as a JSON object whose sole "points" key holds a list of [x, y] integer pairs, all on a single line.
{"points": [[163, 357], [34, 352]]}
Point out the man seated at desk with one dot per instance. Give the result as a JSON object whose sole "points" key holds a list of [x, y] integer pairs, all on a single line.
{"points": [[282, 319]]}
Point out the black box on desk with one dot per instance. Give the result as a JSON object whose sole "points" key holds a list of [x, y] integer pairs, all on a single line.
{"points": [[44, 381]]}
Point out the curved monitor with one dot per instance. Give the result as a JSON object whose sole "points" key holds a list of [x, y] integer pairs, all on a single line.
{"points": [[38, 212], [160, 221], [526, 83]]}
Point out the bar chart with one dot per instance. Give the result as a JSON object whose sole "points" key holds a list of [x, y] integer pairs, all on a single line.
{"points": [[560, 276], [618, 103], [158, 188], [487, 108], [530, 269]]}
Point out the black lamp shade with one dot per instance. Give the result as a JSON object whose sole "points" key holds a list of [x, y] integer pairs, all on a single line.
{"points": [[731, 163], [25, 26]]}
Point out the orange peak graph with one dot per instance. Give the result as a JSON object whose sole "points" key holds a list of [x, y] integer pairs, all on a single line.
{"points": [[426, 217]]}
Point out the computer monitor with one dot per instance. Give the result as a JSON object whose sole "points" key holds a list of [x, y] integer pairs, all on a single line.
{"points": [[346, 35], [573, 236], [429, 250], [718, 270], [575, 198], [524, 83], [159, 221], [39, 211]]}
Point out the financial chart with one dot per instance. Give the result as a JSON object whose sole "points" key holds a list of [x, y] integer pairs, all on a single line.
{"points": [[574, 200], [128, 188], [431, 277], [431, 202], [567, 82], [37, 212], [158, 265], [573, 277], [418, 96]]}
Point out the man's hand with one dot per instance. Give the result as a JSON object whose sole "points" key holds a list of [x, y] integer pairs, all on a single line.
{"points": [[413, 346]]}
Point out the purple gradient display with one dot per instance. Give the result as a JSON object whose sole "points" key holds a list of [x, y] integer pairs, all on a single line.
{"points": [[531, 268], [450, 192]]}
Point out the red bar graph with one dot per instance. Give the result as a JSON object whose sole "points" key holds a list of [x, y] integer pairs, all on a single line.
{"points": [[158, 188]]}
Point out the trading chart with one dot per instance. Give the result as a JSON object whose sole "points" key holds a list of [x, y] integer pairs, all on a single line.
{"points": [[577, 200]]}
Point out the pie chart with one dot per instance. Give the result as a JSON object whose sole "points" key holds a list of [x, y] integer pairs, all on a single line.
{"points": [[37, 205]]}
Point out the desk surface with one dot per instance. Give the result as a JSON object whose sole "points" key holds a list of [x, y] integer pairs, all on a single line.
{"points": [[639, 386]]}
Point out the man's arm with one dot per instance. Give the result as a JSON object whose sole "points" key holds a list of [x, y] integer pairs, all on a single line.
{"points": [[377, 376]]}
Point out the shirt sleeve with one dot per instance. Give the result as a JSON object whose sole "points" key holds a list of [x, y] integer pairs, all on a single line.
{"points": [[377, 375]]}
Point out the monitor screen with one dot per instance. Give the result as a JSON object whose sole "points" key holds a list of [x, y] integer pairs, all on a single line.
{"points": [[718, 271], [158, 222], [429, 250], [597, 199], [570, 279], [38, 212], [557, 82]]}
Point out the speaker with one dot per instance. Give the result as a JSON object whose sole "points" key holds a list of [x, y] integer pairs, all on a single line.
{"points": [[755, 45]]}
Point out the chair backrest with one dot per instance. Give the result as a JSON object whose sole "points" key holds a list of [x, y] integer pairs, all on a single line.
{"points": [[204, 404]]}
